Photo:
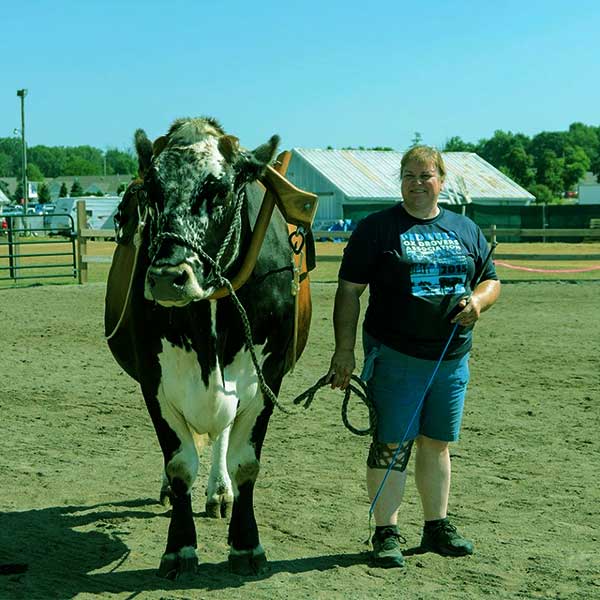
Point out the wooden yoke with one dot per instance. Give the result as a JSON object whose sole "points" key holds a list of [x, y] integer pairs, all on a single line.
{"points": [[298, 205]]}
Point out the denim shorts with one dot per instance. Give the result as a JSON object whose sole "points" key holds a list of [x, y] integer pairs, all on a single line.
{"points": [[396, 384]]}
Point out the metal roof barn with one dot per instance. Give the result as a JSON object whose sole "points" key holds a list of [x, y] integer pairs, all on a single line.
{"points": [[347, 181]]}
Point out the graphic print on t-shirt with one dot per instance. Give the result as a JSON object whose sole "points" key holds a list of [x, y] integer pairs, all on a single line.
{"points": [[438, 265]]}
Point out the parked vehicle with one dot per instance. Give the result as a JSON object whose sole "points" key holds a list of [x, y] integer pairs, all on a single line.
{"points": [[99, 210]]}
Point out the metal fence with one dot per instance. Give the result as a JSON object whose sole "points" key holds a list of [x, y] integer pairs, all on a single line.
{"points": [[29, 249]]}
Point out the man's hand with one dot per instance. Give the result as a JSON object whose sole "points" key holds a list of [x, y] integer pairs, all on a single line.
{"points": [[341, 368], [470, 310], [483, 297]]}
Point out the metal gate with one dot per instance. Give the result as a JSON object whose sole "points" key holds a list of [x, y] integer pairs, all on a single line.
{"points": [[29, 247]]}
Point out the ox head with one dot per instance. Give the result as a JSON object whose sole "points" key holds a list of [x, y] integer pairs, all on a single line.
{"points": [[194, 178]]}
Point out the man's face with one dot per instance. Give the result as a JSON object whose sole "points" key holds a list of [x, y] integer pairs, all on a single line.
{"points": [[421, 184]]}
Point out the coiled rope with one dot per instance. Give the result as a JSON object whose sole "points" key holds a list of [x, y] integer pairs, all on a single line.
{"points": [[360, 390]]}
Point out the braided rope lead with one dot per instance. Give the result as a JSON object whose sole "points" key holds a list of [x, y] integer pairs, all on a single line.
{"points": [[360, 389]]}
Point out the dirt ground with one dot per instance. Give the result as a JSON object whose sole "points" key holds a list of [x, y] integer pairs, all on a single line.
{"points": [[80, 466]]}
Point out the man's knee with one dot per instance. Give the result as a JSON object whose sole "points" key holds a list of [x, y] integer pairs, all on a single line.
{"points": [[426, 443], [382, 454]]}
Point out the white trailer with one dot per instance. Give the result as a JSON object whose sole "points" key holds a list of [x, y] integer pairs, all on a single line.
{"points": [[100, 213]]}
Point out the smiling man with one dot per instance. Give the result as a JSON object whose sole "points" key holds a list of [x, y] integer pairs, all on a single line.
{"points": [[426, 270]]}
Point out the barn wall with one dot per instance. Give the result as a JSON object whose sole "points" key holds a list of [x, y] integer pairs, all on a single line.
{"points": [[306, 177]]}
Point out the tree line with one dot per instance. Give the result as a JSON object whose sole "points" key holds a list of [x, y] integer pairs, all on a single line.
{"points": [[548, 165], [59, 161]]}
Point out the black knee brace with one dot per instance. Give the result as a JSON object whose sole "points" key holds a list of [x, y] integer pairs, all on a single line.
{"points": [[380, 456]]}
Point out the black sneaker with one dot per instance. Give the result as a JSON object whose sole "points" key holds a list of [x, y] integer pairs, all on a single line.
{"points": [[443, 538], [386, 548]]}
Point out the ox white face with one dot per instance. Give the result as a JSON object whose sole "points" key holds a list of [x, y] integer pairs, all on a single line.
{"points": [[195, 186]]}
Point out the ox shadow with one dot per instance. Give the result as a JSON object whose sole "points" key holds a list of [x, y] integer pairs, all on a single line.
{"points": [[61, 559], [57, 558]]}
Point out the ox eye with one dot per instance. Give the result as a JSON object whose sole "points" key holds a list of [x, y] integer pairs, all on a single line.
{"points": [[213, 192]]}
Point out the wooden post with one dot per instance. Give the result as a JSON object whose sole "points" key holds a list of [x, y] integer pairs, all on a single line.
{"points": [[493, 234], [82, 268]]}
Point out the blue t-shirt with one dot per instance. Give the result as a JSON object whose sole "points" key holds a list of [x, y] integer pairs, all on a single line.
{"points": [[417, 271]]}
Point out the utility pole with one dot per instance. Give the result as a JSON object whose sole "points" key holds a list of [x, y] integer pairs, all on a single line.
{"points": [[22, 94]]}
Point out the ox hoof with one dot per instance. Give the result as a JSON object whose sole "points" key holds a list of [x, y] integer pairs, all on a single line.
{"points": [[180, 565], [251, 562], [219, 509], [165, 496]]}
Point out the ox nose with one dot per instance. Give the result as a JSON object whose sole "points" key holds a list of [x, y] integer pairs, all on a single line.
{"points": [[169, 284]]}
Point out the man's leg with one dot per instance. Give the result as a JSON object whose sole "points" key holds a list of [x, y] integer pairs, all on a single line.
{"points": [[388, 502], [432, 476], [386, 541]]}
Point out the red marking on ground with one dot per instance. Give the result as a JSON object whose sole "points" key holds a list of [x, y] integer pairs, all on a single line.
{"points": [[509, 266]]}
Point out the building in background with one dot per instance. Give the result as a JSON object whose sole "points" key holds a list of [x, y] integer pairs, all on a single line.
{"points": [[353, 183], [91, 184]]}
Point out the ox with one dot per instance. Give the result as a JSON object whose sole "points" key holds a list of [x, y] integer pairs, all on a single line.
{"points": [[191, 218]]}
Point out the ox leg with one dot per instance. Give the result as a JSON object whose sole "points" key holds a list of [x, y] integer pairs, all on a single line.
{"points": [[219, 493], [181, 468], [246, 555]]}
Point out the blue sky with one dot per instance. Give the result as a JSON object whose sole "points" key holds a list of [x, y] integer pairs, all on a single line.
{"points": [[318, 73]]}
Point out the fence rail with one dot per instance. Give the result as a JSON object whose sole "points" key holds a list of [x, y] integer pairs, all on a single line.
{"points": [[493, 232], [587, 233], [84, 234]]}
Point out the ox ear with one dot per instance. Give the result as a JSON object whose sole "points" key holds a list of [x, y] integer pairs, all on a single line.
{"points": [[159, 144], [266, 153], [229, 147], [255, 163], [143, 147]]}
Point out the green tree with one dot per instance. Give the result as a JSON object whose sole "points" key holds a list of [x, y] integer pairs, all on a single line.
{"points": [[34, 173], [44, 194], [76, 190], [587, 138], [576, 164], [76, 165], [121, 188], [6, 162], [542, 193], [456, 144], [520, 165], [120, 163], [499, 147], [417, 140], [508, 153], [11, 147], [4, 188], [63, 192], [550, 172], [51, 160]]}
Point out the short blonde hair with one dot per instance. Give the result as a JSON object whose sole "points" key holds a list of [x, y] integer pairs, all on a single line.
{"points": [[424, 154]]}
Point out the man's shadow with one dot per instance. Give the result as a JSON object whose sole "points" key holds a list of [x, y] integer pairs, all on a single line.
{"points": [[61, 559]]}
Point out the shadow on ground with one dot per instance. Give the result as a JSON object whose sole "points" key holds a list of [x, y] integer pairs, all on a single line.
{"points": [[61, 560]]}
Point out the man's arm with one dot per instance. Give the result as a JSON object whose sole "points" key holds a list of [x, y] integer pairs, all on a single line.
{"points": [[346, 311]]}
